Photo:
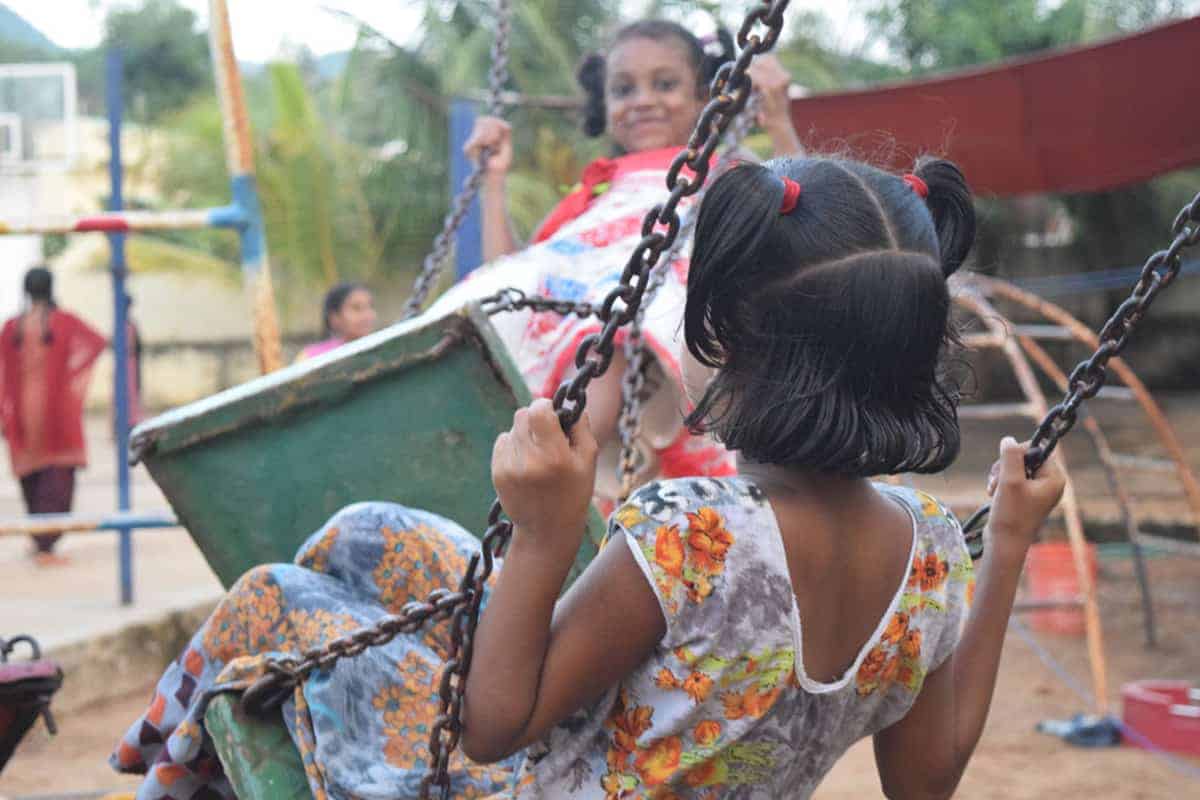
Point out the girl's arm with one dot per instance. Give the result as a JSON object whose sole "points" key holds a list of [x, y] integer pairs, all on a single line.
{"points": [[771, 81], [86, 345], [495, 134], [535, 663], [925, 754], [498, 236]]}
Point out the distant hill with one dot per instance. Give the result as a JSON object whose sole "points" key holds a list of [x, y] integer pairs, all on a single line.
{"points": [[332, 65], [15, 29]]}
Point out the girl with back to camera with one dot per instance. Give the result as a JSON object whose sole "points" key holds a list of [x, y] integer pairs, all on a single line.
{"points": [[736, 635], [46, 359]]}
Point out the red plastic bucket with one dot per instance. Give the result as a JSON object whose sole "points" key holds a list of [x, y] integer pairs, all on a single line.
{"points": [[1050, 570], [1164, 714]]}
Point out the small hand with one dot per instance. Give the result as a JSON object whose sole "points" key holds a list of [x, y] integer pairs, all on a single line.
{"points": [[496, 135], [771, 81], [1021, 504], [543, 478]]}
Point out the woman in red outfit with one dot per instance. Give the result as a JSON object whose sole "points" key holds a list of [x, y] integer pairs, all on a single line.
{"points": [[46, 358]]}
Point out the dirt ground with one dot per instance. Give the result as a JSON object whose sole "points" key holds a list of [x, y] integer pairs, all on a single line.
{"points": [[1013, 761]]}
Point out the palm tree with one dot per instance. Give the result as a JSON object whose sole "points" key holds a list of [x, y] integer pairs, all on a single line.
{"points": [[394, 95], [320, 226]]}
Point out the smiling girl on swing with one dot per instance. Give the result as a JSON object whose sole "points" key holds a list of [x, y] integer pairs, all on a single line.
{"points": [[736, 635], [644, 93]]}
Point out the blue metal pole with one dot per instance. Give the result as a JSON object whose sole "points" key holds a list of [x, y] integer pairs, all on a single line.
{"points": [[469, 246], [120, 339]]}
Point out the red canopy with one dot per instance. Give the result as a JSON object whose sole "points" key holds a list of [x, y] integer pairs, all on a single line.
{"points": [[1084, 119]]}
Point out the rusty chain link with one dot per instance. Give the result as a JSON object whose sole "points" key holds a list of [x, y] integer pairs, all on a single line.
{"points": [[513, 299], [1090, 375], [633, 382], [435, 262], [729, 94]]}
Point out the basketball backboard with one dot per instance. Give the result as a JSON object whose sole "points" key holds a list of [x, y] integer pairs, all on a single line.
{"points": [[38, 118]]}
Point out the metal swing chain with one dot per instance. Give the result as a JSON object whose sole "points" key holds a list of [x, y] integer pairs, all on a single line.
{"points": [[513, 299], [435, 262], [728, 96], [633, 382], [1090, 375]]}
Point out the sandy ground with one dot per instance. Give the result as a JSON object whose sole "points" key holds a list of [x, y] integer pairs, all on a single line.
{"points": [[1012, 762]]}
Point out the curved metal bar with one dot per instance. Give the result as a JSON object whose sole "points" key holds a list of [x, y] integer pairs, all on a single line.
{"points": [[1027, 380], [1040, 357], [1162, 426]]}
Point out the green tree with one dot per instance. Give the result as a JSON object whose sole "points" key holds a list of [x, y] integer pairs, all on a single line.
{"points": [[165, 53], [1114, 227], [395, 96], [320, 226], [936, 35]]}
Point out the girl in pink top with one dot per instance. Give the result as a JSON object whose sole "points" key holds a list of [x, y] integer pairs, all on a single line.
{"points": [[348, 313]]}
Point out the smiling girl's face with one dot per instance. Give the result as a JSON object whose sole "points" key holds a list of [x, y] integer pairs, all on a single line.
{"points": [[652, 94]]}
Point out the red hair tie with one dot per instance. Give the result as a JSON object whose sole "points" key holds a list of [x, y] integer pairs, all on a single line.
{"points": [[791, 194], [919, 186]]}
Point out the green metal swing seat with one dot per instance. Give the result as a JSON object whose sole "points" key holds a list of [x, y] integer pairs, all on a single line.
{"points": [[408, 415]]}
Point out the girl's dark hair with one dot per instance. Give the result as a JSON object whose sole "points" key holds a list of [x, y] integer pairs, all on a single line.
{"points": [[39, 287], [335, 298], [704, 57], [827, 324]]}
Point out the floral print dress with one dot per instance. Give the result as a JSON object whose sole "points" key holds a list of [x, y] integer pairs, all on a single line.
{"points": [[723, 708], [362, 728]]}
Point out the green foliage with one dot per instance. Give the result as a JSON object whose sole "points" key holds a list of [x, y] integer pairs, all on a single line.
{"points": [[394, 97], [936, 35], [1113, 228], [931, 35], [165, 54], [52, 245], [320, 226]]}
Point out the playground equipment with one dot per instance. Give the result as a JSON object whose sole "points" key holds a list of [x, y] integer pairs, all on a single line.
{"points": [[1021, 348], [730, 93], [25, 691], [285, 399], [242, 215], [409, 413]]}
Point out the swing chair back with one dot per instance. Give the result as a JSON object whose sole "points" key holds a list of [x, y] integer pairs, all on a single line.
{"points": [[408, 415], [26, 688]]}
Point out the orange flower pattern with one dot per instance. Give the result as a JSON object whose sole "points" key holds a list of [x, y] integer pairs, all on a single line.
{"points": [[668, 550], [707, 732], [708, 540], [686, 724], [387, 555], [715, 708]]}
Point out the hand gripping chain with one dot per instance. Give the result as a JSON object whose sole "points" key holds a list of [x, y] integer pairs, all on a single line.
{"points": [[1089, 375], [729, 94], [435, 262]]}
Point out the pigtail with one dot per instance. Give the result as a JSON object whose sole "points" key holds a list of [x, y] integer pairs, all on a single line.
{"points": [[591, 79], [953, 211], [736, 216]]}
